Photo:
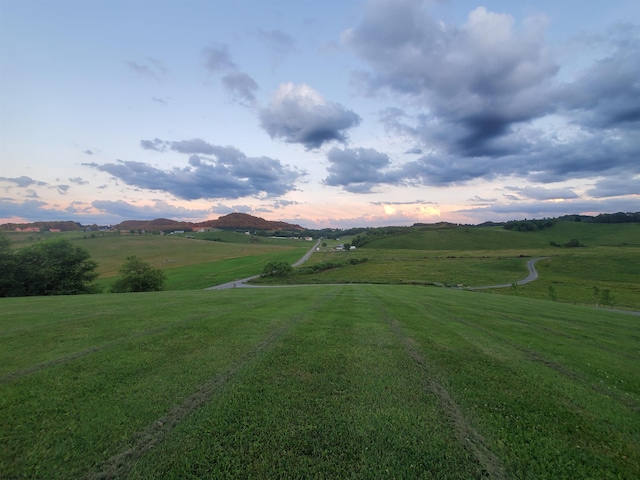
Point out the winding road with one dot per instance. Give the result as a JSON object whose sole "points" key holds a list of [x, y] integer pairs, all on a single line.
{"points": [[242, 283], [533, 274]]}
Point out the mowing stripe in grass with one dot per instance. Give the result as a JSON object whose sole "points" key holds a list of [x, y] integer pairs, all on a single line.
{"points": [[154, 433], [94, 349], [563, 370], [468, 435]]}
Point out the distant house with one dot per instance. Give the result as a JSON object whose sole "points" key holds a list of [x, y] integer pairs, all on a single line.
{"points": [[54, 230], [309, 239], [27, 229]]}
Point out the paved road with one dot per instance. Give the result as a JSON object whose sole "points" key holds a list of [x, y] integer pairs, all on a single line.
{"points": [[242, 282], [533, 274]]}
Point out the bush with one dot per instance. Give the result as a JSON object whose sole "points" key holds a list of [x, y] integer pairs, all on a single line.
{"points": [[277, 269], [138, 276]]}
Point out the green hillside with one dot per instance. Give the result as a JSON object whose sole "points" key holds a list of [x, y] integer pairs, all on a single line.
{"points": [[318, 382], [459, 256], [497, 238]]}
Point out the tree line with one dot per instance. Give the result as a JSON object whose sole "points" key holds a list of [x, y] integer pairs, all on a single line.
{"points": [[58, 267]]}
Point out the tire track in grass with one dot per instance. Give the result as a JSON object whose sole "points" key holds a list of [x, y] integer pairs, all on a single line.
{"points": [[118, 465], [467, 434], [111, 344], [563, 370]]}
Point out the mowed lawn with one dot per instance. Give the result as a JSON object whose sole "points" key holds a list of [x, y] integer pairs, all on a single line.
{"points": [[355, 381]]}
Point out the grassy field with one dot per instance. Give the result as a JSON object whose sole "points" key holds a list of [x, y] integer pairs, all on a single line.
{"points": [[360, 381], [189, 263], [468, 256]]}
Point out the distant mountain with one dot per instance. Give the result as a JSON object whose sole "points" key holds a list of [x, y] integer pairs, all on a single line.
{"points": [[243, 220], [153, 225], [233, 221]]}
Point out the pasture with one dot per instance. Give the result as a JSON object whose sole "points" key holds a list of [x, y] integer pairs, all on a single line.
{"points": [[478, 256], [356, 381], [394, 379]]}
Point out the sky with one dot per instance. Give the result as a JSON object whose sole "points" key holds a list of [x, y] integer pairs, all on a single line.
{"points": [[327, 114]]}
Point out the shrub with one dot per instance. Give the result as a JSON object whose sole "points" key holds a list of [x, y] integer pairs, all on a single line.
{"points": [[138, 276]]}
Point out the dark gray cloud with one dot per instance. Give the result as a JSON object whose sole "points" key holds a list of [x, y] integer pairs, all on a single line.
{"points": [[615, 187], [476, 90], [241, 86], [23, 181], [358, 170], [477, 80], [607, 94], [229, 174], [299, 114], [218, 60], [88, 152], [62, 189]]}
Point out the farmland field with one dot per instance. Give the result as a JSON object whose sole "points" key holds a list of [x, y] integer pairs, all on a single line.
{"points": [[352, 381]]}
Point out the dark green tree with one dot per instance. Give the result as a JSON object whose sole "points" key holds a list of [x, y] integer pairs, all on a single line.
{"points": [[8, 281], [57, 267], [277, 269], [137, 275]]}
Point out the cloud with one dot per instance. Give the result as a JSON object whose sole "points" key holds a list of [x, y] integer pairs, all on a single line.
{"points": [[476, 80], [413, 202], [218, 60], [156, 144], [541, 193], [88, 152], [358, 170], [229, 174], [78, 181], [241, 86], [615, 187], [414, 151], [195, 146], [540, 209], [299, 114], [607, 94], [23, 181], [488, 101], [153, 68], [159, 209], [277, 204], [280, 43]]}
